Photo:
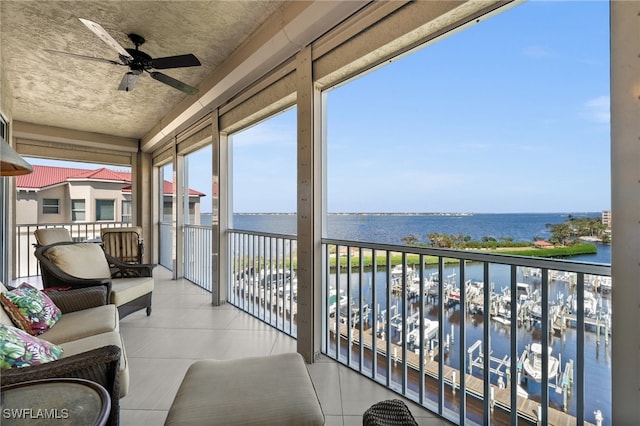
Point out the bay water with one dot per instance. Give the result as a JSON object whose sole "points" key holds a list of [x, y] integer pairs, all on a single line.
{"points": [[390, 228]]}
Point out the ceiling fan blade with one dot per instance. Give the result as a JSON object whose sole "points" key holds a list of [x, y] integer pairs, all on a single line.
{"points": [[170, 81], [178, 61], [106, 37], [88, 58], [128, 82]]}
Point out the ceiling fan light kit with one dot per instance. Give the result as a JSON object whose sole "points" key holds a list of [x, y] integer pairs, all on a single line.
{"points": [[138, 61]]}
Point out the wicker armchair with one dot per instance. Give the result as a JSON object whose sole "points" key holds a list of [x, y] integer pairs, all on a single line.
{"points": [[129, 285], [100, 365]]}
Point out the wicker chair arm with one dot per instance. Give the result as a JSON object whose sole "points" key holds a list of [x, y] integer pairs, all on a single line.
{"points": [[79, 299], [120, 269], [98, 365]]}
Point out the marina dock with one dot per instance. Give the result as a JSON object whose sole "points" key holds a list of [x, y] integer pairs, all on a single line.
{"points": [[527, 408], [278, 303]]}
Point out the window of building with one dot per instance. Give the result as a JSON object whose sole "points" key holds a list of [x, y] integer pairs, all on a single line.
{"points": [[126, 211], [105, 210], [50, 206], [78, 210]]}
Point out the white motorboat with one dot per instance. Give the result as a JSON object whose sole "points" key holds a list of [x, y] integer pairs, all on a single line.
{"points": [[430, 331], [532, 363]]}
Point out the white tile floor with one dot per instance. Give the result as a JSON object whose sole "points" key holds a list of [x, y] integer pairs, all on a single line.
{"points": [[185, 327]]}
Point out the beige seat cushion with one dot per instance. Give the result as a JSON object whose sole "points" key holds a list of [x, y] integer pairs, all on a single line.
{"points": [[124, 290], [270, 390], [84, 323], [82, 260], [98, 341]]}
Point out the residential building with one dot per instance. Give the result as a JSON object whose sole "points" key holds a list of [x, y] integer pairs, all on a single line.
{"points": [[57, 195], [606, 218]]}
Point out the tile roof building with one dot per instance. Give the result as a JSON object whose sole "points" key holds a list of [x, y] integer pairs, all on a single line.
{"points": [[67, 195]]}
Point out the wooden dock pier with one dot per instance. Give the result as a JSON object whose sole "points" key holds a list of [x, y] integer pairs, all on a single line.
{"points": [[527, 409]]}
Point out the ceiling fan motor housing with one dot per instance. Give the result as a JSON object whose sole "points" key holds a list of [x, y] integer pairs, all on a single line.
{"points": [[141, 61]]}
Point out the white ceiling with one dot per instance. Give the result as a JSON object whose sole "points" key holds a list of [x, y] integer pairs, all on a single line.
{"points": [[82, 95]]}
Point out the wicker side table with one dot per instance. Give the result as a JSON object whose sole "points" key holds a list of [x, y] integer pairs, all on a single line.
{"points": [[55, 401]]}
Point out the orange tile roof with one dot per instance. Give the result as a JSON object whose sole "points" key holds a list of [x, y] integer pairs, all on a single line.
{"points": [[45, 176], [542, 244], [101, 174]]}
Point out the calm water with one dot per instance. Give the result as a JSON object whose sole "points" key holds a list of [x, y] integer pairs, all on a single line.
{"points": [[390, 229]]}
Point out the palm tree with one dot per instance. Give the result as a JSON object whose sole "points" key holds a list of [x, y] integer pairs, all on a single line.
{"points": [[561, 233], [410, 240]]}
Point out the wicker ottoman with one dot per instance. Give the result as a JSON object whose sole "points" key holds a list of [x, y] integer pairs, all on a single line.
{"points": [[271, 390]]}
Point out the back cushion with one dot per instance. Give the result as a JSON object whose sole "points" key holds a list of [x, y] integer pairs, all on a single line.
{"points": [[46, 236], [82, 260]]}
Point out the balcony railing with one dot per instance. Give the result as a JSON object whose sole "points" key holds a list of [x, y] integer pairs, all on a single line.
{"points": [[462, 332], [166, 245], [197, 255], [420, 321], [263, 277], [27, 264]]}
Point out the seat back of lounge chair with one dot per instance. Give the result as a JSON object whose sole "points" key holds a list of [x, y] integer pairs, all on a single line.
{"points": [[46, 236], [124, 244]]}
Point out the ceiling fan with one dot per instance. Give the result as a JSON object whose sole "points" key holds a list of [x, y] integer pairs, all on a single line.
{"points": [[138, 61]]}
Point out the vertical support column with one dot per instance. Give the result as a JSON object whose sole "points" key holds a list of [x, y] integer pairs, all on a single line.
{"points": [[155, 214], [142, 202], [5, 265], [219, 213], [178, 214], [309, 209], [625, 203], [8, 245]]}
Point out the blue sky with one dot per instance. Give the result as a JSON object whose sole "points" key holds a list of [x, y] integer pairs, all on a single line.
{"points": [[509, 115]]}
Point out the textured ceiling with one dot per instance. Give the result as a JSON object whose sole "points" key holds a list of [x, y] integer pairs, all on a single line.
{"points": [[77, 94]]}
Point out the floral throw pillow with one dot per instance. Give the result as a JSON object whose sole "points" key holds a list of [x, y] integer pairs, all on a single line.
{"points": [[30, 309], [20, 349]]}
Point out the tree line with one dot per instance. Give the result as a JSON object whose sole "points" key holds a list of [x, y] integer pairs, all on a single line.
{"points": [[461, 241], [569, 232], [565, 234]]}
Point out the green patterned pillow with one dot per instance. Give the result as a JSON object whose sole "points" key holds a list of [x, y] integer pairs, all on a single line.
{"points": [[30, 309], [20, 349]]}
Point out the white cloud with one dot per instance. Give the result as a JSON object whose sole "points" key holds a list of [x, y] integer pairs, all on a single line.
{"points": [[599, 110], [536, 51]]}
